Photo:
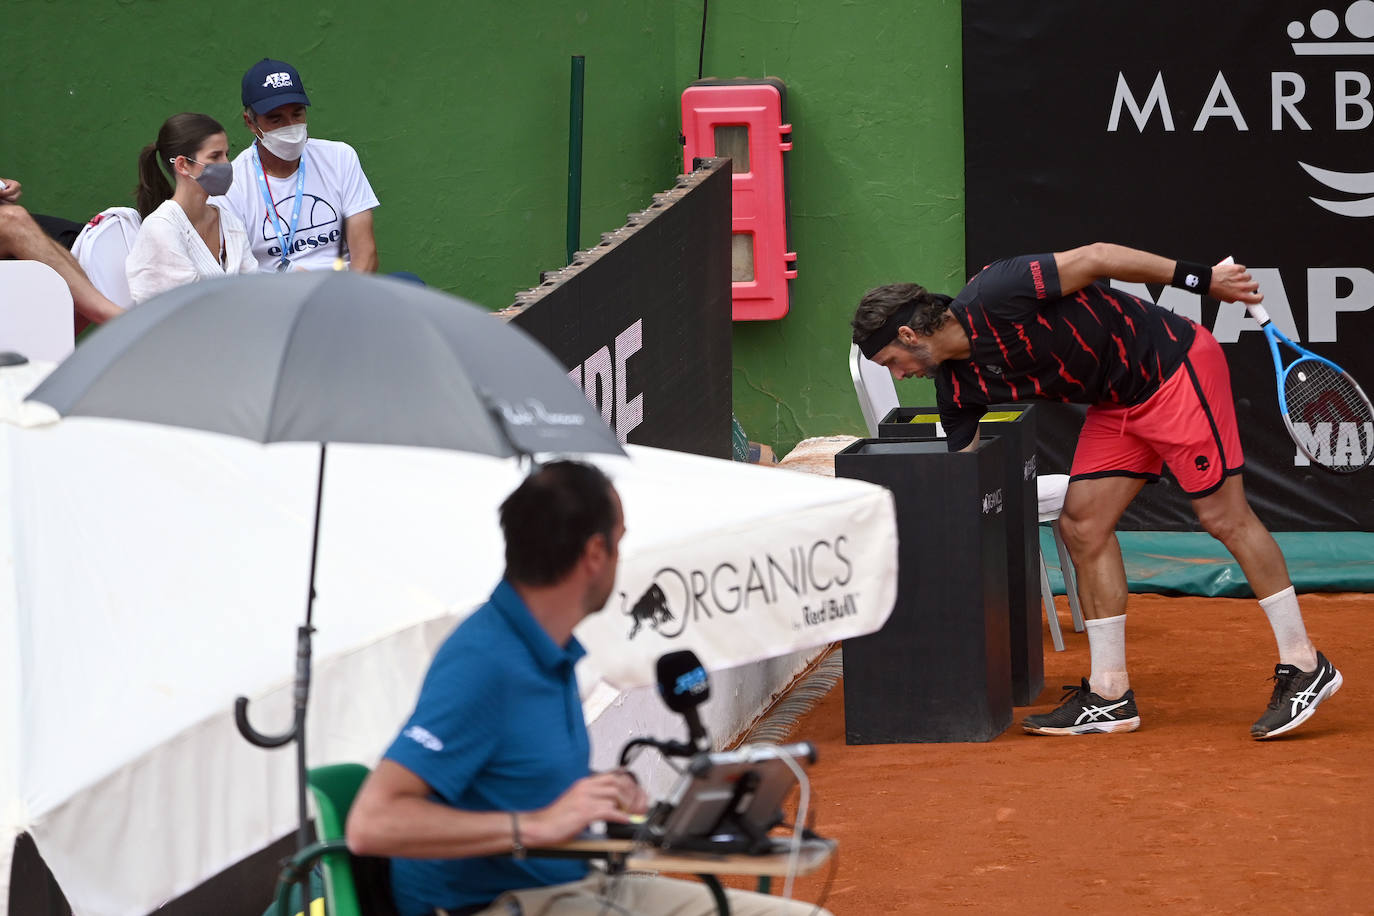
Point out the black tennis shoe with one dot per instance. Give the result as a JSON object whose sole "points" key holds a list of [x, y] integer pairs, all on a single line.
{"points": [[1085, 713], [1297, 694]]}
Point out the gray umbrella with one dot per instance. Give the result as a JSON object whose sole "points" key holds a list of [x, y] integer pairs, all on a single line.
{"points": [[327, 357]]}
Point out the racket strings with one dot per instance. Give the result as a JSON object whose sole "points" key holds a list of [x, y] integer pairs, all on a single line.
{"points": [[1331, 417]]}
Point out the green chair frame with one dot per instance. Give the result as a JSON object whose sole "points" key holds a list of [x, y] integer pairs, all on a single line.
{"points": [[334, 787]]}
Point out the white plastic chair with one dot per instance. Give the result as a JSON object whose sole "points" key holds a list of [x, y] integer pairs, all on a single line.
{"points": [[877, 395], [103, 246], [875, 388], [1050, 488], [35, 311]]}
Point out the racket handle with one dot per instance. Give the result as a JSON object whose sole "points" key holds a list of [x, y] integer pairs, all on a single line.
{"points": [[1256, 310]]}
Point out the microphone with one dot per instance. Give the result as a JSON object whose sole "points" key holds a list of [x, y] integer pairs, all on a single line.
{"points": [[683, 684]]}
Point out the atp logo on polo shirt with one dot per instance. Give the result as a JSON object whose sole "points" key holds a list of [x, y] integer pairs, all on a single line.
{"points": [[423, 737]]}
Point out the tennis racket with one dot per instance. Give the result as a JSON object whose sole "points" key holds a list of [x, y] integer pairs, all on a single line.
{"points": [[1326, 412]]}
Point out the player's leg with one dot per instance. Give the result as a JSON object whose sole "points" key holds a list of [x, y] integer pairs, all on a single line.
{"points": [[1109, 468], [1205, 455], [1303, 678], [1226, 515], [1092, 509], [1103, 702]]}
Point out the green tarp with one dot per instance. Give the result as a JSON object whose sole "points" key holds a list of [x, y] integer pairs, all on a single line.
{"points": [[1193, 563]]}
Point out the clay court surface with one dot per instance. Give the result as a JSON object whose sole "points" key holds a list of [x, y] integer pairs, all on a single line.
{"points": [[1186, 815]]}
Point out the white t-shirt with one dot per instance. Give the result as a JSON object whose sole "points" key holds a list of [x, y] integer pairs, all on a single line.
{"points": [[169, 252], [335, 188]]}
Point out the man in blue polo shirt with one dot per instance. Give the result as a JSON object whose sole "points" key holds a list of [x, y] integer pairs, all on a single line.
{"points": [[494, 760]]}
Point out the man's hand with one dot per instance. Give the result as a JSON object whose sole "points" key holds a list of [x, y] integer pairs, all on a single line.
{"points": [[10, 192], [1232, 283], [633, 798], [610, 796]]}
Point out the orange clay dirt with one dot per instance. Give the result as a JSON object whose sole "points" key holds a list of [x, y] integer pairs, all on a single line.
{"points": [[1186, 815]]}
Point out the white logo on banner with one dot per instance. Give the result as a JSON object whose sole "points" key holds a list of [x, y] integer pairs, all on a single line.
{"points": [[1329, 291], [604, 378], [1321, 36], [810, 578], [533, 413], [992, 502], [1349, 445], [1324, 24]]}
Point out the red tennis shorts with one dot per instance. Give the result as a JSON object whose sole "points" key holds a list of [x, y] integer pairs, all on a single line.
{"points": [[1189, 424]]}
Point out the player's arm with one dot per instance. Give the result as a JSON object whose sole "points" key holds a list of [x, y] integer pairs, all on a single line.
{"points": [[394, 815], [10, 190], [1079, 267], [960, 423], [362, 244]]}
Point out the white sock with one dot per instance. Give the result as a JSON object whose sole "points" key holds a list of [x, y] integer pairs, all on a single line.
{"points": [[1107, 644], [1289, 632]]}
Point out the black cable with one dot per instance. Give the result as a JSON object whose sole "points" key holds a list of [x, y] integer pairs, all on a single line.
{"points": [[668, 750], [701, 55]]}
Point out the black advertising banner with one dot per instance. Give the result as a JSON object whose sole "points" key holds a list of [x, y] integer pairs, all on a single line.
{"points": [[642, 320], [1195, 132]]}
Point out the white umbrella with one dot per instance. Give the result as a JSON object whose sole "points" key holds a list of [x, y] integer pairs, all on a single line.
{"points": [[148, 573]]}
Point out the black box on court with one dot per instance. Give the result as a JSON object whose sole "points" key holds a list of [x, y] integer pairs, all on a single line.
{"points": [[1015, 425], [939, 669]]}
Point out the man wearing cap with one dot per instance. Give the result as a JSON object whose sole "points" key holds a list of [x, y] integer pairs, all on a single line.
{"points": [[306, 202]]}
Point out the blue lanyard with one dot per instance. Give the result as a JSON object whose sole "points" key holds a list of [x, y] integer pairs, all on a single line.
{"points": [[284, 237]]}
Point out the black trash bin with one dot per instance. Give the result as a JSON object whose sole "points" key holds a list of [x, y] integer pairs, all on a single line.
{"points": [[939, 669], [1015, 424]]}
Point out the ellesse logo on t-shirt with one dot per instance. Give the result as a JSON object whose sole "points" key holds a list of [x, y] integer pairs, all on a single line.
{"points": [[316, 214]]}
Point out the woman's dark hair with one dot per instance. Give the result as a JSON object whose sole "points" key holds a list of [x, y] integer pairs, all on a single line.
{"points": [[181, 135], [550, 516], [882, 302]]}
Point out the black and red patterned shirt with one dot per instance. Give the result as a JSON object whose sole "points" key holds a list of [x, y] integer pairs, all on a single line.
{"points": [[1095, 346]]}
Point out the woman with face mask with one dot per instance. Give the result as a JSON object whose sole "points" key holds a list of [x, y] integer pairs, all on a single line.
{"points": [[185, 236]]}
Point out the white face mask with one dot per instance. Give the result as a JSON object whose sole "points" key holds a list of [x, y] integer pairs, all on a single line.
{"points": [[285, 142]]}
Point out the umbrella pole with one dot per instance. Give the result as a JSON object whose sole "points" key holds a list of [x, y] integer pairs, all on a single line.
{"points": [[301, 692]]}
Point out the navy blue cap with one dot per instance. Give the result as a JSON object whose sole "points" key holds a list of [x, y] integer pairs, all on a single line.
{"points": [[270, 84]]}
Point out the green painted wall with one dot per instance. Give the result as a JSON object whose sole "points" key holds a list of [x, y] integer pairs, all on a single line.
{"points": [[459, 111], [876, 186]]}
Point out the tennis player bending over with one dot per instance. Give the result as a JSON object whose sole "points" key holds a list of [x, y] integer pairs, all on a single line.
{"points": [[1045, 326]]}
